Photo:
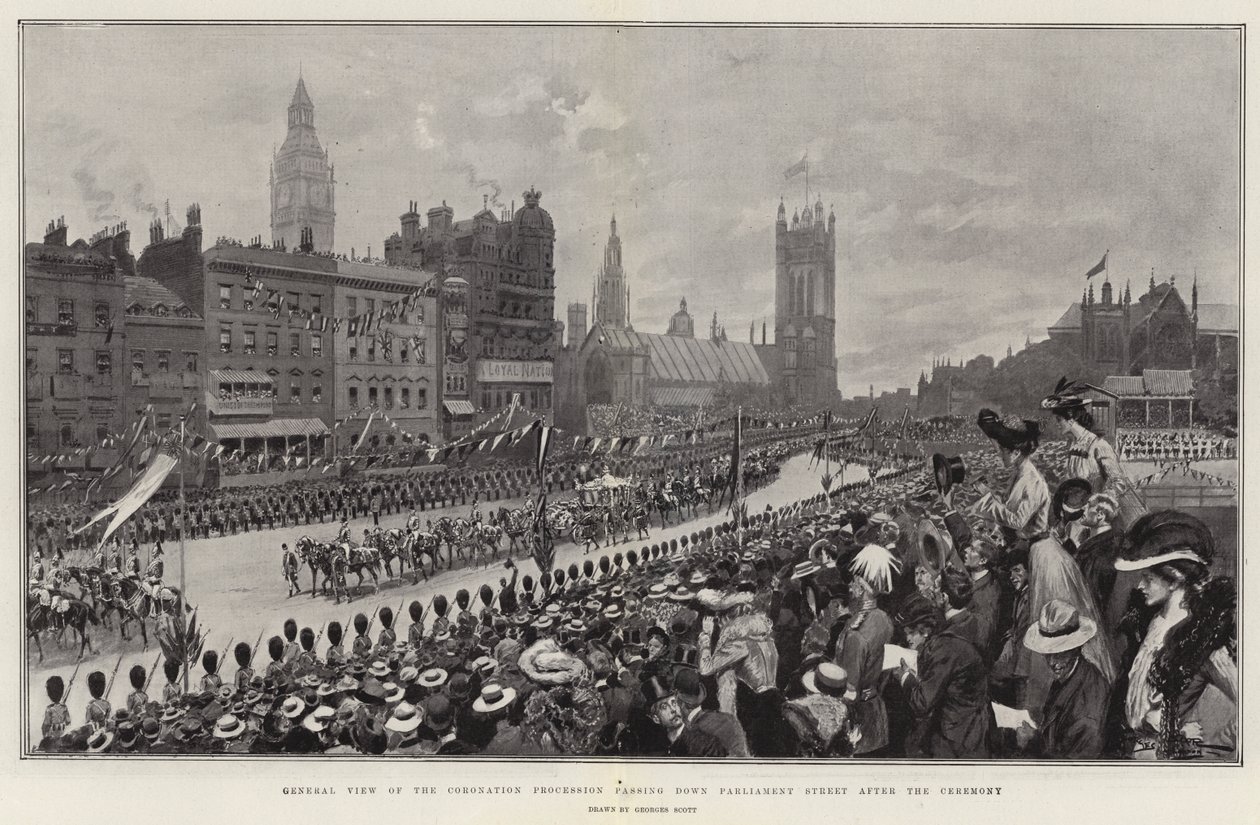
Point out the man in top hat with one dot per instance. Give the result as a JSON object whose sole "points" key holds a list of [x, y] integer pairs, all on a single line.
{"points": [[336, 656], [98, 708], [362, 645], [152, 583], [663, 708], [210, 681], [172, 690], [275, 649], [1072, 719], [948, 693], [137, 699], [56, 715], [724, 727], [244, 673]]}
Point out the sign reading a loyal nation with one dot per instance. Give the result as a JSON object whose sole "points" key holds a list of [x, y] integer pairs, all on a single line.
{"points": [[537, 372]]}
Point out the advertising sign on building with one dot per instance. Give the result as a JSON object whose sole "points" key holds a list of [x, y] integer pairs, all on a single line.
{"points": [[535, 372]]}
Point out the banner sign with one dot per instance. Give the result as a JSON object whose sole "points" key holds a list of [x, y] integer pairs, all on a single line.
{"points": [[530, 372]]}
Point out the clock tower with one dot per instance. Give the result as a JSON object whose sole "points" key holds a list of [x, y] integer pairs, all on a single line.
{"points": [[302, 184]]}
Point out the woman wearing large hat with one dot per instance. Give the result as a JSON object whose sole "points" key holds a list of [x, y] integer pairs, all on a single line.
{"points": [[1052, 572], [1190, 643], [1090, 456]]}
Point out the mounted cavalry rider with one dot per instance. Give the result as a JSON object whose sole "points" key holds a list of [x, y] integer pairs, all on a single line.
{"points": [[413, 521], [343, 535], [474, 517], [152, 584], [132, 568]]}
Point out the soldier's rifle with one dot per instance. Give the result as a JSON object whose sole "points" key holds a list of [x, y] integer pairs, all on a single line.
{"points": [[66, 696], [372, 620], [110, 687], [254, 649], [223, 656], [152, 671], [319, 635]]}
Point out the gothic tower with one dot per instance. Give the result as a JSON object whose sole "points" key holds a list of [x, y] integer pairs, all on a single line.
{"points": [[612, 301], [805, 304], [302, 184]]}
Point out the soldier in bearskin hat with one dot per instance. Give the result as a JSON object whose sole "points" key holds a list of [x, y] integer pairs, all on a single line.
{"points": [[336, 655], [56, 715], [415, 631], [243, 653], [386, 637], [275, 649], [362, 644], [462, 600], [98, 709], [291, 649], [210, 682], [137, 699], [172, 690], [440, 606], [305, 660]]}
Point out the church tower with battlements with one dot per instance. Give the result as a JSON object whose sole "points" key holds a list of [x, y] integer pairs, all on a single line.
{"points": [[303, 187], [805, 305]]}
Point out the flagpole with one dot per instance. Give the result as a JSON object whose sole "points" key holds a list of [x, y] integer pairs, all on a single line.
{"points": [[183, 520]]}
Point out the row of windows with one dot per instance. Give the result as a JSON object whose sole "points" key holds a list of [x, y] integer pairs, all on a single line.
{"points": [[249, 343], [375, 394], [531, 400], [65, 312], [66, 365], [402, 350], [239, 297], [161, 361]]}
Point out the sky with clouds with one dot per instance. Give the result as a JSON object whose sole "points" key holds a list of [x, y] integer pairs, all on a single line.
{"points": [[975, 174]]}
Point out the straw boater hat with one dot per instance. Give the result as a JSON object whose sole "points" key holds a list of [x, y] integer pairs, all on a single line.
{"points": [[829, 679], [876, 566], [100, 740], [493, 697], [1059, 628], [379, 669], [657, 592], [393, 693], [228, 727], [293, 707], [433, 677], [805, 568], [405, 718]]}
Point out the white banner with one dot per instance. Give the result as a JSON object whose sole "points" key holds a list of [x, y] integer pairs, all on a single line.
{"points": [[530, 372]]}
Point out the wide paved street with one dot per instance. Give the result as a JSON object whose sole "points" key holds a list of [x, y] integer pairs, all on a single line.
{"points": [[236, 585]]}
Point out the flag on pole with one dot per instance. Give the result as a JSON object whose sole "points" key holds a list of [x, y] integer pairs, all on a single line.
{"points": [[544, 552], [142, 490], [363, 435], [544, 443], [796, 168], [1101, 266], [736, 482]]}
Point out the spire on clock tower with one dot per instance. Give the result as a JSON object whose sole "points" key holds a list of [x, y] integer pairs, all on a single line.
{"points": [[301, 180]]}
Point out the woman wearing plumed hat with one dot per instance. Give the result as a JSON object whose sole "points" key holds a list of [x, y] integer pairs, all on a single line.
{"points": [[1052, 572], [1181, 696], [1090, 456]]}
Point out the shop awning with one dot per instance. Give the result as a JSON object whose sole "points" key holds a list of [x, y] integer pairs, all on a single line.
{"points": [[275, 428], [459, 407], [239, 377]]}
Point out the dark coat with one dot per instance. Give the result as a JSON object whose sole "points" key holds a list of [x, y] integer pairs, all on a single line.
{"points": [[949, 698], [695, 742], [723, 727], [1072, 721], [985, 599], [1110, 588]]}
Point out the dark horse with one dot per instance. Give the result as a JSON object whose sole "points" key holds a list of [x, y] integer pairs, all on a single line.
{"points": [[319, 557], [132, 603], [77, 616], [357, 560]]}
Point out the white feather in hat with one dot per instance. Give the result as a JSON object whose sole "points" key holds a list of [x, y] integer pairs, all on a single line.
{"points": [[877, 566]]}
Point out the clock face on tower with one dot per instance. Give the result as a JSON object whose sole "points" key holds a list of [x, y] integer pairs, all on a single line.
{"points": [[284, 194], [319, 195]]}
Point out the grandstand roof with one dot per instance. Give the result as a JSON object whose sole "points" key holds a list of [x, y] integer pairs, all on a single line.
{"points": [[1152, 384], [676, 358]]}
